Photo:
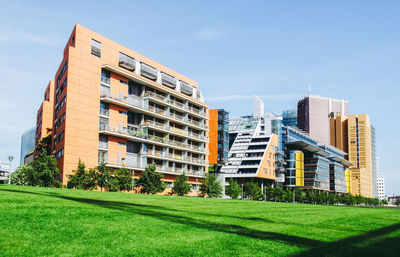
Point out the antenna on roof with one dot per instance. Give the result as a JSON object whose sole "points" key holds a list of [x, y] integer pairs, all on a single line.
{"points": [[309, 87]]}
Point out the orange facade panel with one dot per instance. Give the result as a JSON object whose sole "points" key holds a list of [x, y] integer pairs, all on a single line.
{"points": [[213, 135]]}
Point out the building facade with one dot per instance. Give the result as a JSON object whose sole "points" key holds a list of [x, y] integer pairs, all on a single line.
{"points": [[352, 134], [116, 106], [44, 116], [4, 172], [27, 144], [219, 139], [380, 182], [289, 118], [313, 115]]}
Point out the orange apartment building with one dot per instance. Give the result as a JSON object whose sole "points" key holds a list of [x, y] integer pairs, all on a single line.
{"points": [[44, 116], [116, 106]]}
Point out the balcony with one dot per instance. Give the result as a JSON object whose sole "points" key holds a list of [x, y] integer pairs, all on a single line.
{"points": [[126, 62], [104, 112], [154, 95], [131, 161], [195, 110], [105, 81], [148, 71], [177, 104], [154, 124], [177, 116], [103, 145], [196, 135], [156, 110], [178, 130], [193, 122]]}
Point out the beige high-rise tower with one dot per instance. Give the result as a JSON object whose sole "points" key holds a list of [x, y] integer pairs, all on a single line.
{"points": [[352, 134]]}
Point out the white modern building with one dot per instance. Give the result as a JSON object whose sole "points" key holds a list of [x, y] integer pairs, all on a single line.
{"points": [[4, 171], [380, 182]]}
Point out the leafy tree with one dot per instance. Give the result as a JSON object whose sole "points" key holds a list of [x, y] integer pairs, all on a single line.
{"points": [[150, 180], [350, 199], [288, 195], [45, 171], [269, 193], [278, 194], [253, 190], [299, 195], [181, 187], [384, 201], [123, 176], [20, 176], [77, 180], [210, 186], [397, 202], [102, 176], [44, 143], [233, 190]]}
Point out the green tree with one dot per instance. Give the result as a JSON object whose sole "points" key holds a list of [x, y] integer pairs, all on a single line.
{"points": [[20, 176], [288, 195], [233, 189], [384, 201], [181, 187], [150, 180], [102, 176], [269, 193], [299, 195], [397, 202], [77, 180], [45, 170], [278, 194], [210, 186], [44, 143], [124, 179], [252, 190]]}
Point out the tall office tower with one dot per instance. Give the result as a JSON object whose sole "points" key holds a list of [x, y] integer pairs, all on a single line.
{"points": [[27, 144], [313, 114], [357, 130], [116, 106], [289, 118], [44, 116], [219, 139], [380, 182], [258, 107]]}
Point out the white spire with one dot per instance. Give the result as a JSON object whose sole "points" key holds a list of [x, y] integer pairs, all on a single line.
{"points": [[258, 107]]}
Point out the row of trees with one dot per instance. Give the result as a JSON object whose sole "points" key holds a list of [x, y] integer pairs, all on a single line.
{"points": [[253, 191], [150, 181]]}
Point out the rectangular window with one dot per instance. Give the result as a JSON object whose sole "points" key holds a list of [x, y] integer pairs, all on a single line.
{"points": [[126, 62], [96, 48]]}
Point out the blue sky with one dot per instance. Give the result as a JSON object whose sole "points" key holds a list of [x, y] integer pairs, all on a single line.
{"points": [[234, 49]]}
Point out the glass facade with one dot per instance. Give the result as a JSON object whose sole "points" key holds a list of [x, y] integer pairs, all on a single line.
{"points": [[289, 118], [223, 136], [27, 144]]}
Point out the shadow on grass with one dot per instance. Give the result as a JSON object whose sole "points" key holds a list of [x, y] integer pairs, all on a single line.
{"points": [[371, 243]]}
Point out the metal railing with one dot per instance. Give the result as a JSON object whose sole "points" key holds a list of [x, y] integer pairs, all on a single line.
{"points": [[156, 110], [177, 116], [178, 130], [104, 112], [154, 95], [105, 80], [103, 145], [177, 104]]}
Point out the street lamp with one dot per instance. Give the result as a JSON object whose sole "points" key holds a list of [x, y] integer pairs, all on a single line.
{"points": [[133, 179], [10, 159]]}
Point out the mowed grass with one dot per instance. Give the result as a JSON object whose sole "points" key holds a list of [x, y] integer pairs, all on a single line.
{"points": [[62, 222]]}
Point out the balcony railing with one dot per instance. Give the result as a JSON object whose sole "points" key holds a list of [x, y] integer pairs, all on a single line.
{"points": [[154, 124], [177, 104], [177, 116], [126, 62], [168, 80], [105, 80], [156, 110], [196, 135], [104, 112], [178, 130], [154, 95], [193, 122], [195, 110], [103, 145], [177, 143]]}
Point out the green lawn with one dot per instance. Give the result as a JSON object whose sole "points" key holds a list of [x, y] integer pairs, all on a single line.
{"points": [[62, 222]]}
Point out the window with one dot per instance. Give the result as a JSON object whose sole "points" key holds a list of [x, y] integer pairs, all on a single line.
{"points": [[168, 80], [122, 112], [121, 143], [60, 153], [186, 88], [148, 71], [126, 62], [123, 82], [96, 48]]}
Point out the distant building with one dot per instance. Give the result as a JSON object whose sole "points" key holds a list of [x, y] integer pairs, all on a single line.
{"points": [[313, 114], [27, 144], [392, 200], [380, 182], [352, 134], [4, 172], [289, 118], [219, 139], [374, 170], [311, 166]]}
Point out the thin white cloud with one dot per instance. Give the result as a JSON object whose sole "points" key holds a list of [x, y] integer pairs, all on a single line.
{"points": [[240, 97], [210, 33], [13, 37]]}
